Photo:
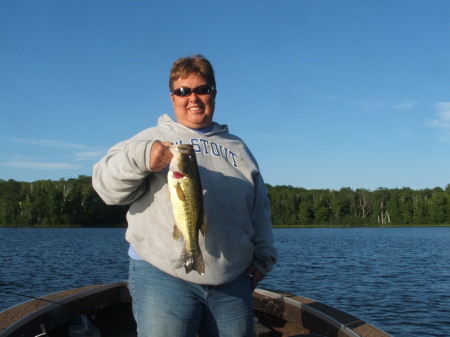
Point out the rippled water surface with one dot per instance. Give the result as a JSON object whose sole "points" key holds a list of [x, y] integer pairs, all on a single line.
{"points": [[395, 278]]}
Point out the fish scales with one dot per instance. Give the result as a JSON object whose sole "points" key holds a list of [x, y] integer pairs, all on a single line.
{"points": [[186, 196]]}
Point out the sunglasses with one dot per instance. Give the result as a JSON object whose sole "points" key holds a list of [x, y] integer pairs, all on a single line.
{"points": [[200, 90]]}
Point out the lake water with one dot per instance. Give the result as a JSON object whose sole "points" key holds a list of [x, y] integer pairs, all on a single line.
{"points": [[395, 278]]}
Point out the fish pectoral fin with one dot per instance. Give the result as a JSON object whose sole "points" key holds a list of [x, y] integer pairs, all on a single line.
{"points": [[180, 192], [204, 226], [176, 232]]}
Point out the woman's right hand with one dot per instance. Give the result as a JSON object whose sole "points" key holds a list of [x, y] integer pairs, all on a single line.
{"points": [[160, 156]]}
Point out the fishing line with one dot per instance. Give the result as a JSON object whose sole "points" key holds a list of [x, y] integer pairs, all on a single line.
{"points": [[30, 297], [42, 326], [91, 314]]}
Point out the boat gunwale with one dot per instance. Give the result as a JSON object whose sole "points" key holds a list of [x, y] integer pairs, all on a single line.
{"points": [[96, 297], [342, 321], [305, 307]]}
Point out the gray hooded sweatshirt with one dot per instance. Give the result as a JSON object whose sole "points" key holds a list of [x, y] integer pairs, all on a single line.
{"points": [[236, 203]]}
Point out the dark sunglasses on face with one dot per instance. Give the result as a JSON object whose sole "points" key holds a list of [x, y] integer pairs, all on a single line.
{"points": [[200, 90]]}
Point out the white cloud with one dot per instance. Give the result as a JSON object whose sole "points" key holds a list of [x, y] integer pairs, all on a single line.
{"points": [[40, 165], [370, 104], [84, 152], [442, 119], [58, 155], [404, 105], [48, 143], [329, 97], [88, 155]]}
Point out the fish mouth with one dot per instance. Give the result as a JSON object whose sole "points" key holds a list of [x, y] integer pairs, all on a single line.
{"points": [[181, 148]]}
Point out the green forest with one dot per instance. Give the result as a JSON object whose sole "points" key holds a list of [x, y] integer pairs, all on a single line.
{"points": [[74, 203]]}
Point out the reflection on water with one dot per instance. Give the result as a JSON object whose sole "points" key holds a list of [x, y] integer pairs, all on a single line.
{"points": [[395, 278], [40, 261]]}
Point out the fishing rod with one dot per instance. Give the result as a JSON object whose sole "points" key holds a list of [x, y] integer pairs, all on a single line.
{"points": [[30, 297]]}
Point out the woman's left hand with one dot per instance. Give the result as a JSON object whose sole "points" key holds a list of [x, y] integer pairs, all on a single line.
{"points": [[255, 274]]}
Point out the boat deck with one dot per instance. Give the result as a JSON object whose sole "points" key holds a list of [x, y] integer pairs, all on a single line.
{"points": [[109, 308]]}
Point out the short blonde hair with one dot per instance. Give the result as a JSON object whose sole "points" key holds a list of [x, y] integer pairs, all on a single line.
{"points": [[195, 64]]}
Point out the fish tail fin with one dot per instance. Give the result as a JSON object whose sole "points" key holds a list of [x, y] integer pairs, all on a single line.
{"points": [[194, 262]]}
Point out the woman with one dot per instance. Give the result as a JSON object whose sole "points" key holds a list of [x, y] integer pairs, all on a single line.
{"points": [[238, 248]]}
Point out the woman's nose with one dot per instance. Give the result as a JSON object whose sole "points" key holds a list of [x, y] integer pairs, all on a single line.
{"points": [[193, 97]]}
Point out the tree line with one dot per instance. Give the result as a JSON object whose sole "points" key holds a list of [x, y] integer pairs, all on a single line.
{"points": [[73, 202], [293, 206], [65, 203]]}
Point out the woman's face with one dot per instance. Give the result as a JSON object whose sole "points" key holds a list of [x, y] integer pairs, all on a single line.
{"points": [[193, 111]]}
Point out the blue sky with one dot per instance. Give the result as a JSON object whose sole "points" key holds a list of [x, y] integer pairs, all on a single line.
{"points": [[327, 94]]}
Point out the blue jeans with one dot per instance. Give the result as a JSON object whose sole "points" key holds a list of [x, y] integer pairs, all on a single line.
{"points": [[166, 306]]}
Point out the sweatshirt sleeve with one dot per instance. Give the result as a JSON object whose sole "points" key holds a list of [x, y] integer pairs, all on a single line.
{"points": [[119, 176], [265, 254]]}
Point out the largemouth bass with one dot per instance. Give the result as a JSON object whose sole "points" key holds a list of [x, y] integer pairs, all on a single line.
{"points": [[186, 196]]}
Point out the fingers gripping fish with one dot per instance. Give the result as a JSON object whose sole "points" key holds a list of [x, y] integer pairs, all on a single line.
{"points": [[186, 196]]}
